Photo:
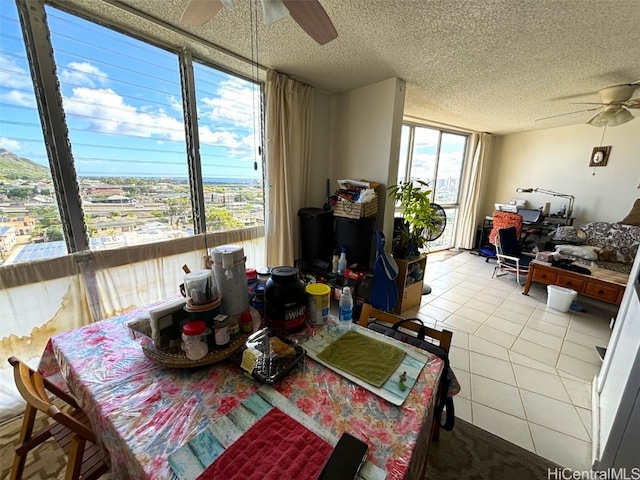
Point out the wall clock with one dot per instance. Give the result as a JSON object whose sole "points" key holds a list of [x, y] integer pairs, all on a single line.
{"points": [[599, 156]]}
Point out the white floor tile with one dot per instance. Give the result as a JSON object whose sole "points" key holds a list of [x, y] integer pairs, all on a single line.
{"points": [[508, 427], [553, 414], [464, 379], [460, 340], [456, 297], [506, 314], [506, 326], [541, 338], [480, 345], [459, 358], [547, 327], [445, 304], [495, 292], [576, 367], [496, 395], [463, 409], [579, 391], [547, 384], [584, 339], [520, 308], [535, 352], [480, 306], [475, 286], [562, 449], [432, 311], [496, 336], [557, 318], [585, 416], [519, 359], [488, 298], [596, 328], [493, 368], [587, 354], [472, 314], [462, 323]]}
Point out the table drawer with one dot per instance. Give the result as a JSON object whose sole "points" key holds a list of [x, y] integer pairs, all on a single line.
{"points": [[544, 276], [602, 292], [570, 282]]}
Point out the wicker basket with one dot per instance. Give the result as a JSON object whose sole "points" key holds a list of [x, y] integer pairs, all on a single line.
{"points": [[180, 360]]}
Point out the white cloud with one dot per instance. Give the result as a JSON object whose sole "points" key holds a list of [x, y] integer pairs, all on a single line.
{"points": [[12, 145], [16, 97], [108, 113], [83, 73], [234, 102], [17, 81]]}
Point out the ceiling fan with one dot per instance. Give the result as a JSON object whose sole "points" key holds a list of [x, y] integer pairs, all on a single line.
{"points": [[309, 14], [615, 103]]}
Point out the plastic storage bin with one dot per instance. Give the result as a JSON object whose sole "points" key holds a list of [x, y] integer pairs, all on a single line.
{"points": [[560, 298]]}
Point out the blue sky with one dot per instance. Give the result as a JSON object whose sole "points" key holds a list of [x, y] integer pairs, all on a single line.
{"points": [[122, 99]]}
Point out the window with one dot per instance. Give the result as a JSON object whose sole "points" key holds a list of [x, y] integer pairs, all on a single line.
{"points": [[122, 99], [435, 157], [28, 208]]}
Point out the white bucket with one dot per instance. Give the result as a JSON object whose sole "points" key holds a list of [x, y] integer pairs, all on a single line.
{"points": [[231, 278], [560, 298], [318, 303]]}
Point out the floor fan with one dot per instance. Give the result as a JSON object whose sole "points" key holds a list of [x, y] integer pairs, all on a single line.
{"points": [[434, 234]]}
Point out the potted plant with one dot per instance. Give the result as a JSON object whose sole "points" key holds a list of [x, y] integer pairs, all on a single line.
{"points": [[413, 197]]}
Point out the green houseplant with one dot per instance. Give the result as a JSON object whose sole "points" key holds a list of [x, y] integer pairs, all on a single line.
{"points": [[413, 197]]}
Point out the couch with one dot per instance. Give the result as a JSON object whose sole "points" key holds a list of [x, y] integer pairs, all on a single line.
{"points": [[600, 244]]}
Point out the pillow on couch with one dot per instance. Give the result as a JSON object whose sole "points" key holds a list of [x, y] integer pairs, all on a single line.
{"points": [[568, 234], [586, 252], [633, 218]]}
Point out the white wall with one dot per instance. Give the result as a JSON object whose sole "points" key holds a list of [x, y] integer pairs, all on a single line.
{"points": [[320, 152], [557, 159], [366, 124]]}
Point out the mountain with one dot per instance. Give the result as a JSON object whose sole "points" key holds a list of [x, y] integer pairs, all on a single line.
{"points": [[13, 167]]}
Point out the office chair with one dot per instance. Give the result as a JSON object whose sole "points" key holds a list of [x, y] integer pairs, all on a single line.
{"points": [[70, 430], [510, 258]]}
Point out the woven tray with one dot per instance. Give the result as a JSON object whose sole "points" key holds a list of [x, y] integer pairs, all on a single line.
{"points": [[180, 360]]}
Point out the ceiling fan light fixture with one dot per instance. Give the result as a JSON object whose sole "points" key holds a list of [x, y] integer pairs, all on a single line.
{"points": [[611, 117]]}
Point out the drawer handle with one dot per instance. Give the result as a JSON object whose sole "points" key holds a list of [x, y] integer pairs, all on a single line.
{"points": [[600, 292], [569, 284], [544, 275]]}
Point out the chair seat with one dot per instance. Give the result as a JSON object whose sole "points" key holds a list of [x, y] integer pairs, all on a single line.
{"points": [[92, 463]]}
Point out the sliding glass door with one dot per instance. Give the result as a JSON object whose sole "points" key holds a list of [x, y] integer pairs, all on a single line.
{"points": [[435, 157]]}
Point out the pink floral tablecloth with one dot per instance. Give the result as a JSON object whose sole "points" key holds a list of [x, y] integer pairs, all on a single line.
{"points": [[143, 412]]}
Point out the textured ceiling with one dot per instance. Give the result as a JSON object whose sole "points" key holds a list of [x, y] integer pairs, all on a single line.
{"points": [[481, 65]]}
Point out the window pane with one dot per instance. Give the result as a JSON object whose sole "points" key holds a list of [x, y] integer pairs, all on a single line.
{"points": [[30, 227], [229, 131], [452, 150], [423, 159], [404, 152], [122, 100]]}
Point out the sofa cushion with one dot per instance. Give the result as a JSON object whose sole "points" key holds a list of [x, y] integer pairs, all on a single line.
{"points": [[625, 239], [581, 251], [568, 234], [633, 218]]}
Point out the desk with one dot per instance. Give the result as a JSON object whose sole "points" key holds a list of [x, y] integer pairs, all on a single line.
{"points": [[142, 412], [545, 226]]}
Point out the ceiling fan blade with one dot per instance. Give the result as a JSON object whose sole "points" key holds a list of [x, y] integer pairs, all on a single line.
{"points": [[199, 12], [570, 113], [273, 11], [313, 19], [633, 103]]}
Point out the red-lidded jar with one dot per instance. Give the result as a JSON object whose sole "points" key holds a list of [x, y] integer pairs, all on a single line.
{"points": [[246, 322], [252, 282], [194, 343], [285, 300]]}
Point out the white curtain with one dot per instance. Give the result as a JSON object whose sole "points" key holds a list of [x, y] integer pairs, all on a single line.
{"points": [[288, 133], [480, 148], [43, 298]]}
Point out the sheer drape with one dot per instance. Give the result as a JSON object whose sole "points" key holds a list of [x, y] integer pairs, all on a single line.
{"points": [[43, 298], [288, 133], [480, 147]]}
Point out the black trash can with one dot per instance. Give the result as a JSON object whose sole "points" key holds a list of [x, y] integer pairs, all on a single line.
{"points": [[356, 236], [316, 234]]}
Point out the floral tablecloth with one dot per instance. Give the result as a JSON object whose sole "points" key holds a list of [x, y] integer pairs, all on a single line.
{"points": [[143, 412]]}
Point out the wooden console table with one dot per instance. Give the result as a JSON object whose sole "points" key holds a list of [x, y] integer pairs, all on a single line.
{"points": [[602, 284]]}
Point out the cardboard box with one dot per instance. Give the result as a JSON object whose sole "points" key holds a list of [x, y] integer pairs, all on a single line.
{"points": [[346, 209]]}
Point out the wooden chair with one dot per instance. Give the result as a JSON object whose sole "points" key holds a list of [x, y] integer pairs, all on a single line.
{"points": [[442, 336], [70, 430]]}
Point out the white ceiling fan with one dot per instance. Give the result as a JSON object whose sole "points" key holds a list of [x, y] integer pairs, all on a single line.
{"points": [[614, 105], [309, 14]]}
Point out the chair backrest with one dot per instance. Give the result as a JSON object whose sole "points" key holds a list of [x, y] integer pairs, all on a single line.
{"points": [[33, 388], [367, 312], [508, 243], [504, 220]]}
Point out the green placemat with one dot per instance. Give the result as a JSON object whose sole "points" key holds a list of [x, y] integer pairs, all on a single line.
{"points": [[364, 357]]}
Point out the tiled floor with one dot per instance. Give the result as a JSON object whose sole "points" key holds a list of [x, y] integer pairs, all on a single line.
{"points": [[525, 369]]}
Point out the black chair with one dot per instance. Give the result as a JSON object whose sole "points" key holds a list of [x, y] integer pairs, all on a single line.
{"points": [[509, 255]]}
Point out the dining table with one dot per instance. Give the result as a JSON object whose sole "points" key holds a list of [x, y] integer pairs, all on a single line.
{"points": [[142, 412]]}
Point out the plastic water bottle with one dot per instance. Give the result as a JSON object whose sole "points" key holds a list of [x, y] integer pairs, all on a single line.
{"points": [[342, 262], [345, 314]]}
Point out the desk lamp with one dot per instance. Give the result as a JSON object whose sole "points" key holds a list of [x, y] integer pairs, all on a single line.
{"points": [[569, 211]]}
